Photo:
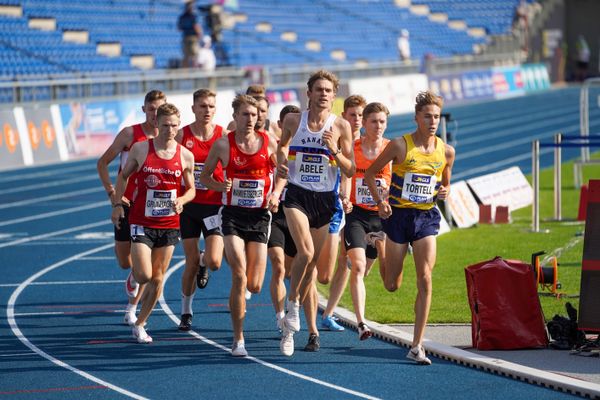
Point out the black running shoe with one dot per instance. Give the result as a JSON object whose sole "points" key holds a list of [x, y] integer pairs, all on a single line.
{"points": [[314, 343], [202, 277], [186, 322]]}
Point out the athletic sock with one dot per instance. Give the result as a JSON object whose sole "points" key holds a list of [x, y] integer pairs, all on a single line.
{"points": [[186, 304], [131, 308], [279, 314]]}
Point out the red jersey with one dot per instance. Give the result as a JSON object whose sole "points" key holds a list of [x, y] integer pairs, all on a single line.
{"points": [[251, 175], [200, 149], [138, 136], [158, 185]]}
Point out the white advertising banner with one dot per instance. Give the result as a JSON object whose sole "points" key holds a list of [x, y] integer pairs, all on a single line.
{"points": [[463, 206], [508, 187], [397, 92]]}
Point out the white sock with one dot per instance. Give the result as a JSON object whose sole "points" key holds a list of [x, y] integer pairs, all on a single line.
{"points": [[131, 308], [201, 263], [186, 304], [279, 315]]}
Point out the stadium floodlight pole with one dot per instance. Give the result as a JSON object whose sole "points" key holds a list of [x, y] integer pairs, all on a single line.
{"points": [[535, 168], [557, 177]]}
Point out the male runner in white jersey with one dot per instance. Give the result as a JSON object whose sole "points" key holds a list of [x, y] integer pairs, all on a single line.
{"points": [[314, 147], [121, 145]]}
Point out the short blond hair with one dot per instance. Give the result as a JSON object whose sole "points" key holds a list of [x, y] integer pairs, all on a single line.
{"points": [[356, 100], [201, 93], [243, 99], [428, 98], [375, 108], [326, 75], [167, 109]]}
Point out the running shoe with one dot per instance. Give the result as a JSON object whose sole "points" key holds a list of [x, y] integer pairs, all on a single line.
{"points": [[186, 322], [238, 349], [139, 334], [131, 286], [417, 354], [130, 318], [363, 331], [372, 237], [202, 277], [292, 318], [286, 345], [331, 324], [314, 343], [279, 324]]}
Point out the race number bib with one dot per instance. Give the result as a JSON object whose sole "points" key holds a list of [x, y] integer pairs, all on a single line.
{"points": [[136, 230], [247, 192], [198, 167], [159, 203], [212, 222], [312, 168], [363, 194], [418, 188]]}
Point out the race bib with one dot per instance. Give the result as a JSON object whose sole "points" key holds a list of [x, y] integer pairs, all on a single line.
{"points": [[363, 194], [247, 192], [312, 168], [418, 188], [136, 230], [159, 203], [212, 222], [198, 167]]}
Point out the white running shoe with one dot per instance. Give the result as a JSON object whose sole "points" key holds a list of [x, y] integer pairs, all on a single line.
{"points": [[248, 294], [279, 324], [372, 237], [139, 333], [417, 354], [238, 349], [130, 318], [287, 341], [292, 318], [131, 286], [363, 331]]}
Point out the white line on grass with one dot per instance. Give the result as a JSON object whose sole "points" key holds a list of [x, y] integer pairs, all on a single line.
{"points": [[170, 314], [10, 314]]}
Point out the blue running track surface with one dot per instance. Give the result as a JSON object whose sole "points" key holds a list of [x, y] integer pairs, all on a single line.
{"points": [[62, 299]]}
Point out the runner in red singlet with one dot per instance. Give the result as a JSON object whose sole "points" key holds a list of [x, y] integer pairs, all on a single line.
{"points": [[122, 143], [248, 158], [200, 216], [159, 164]]}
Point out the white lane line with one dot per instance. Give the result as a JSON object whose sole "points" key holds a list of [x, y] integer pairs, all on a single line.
{"points": [[28, 353], [37, 200], [21, 177], [55, 233], [10, 314], [45, 313], [172, 316], [65, 282], [37, 186], [55, 213]]}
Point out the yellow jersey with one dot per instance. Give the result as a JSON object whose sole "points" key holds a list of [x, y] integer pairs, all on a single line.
{"points": [[415, 181]]}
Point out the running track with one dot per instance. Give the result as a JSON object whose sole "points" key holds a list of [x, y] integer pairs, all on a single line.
{"points": [[61, 294]]}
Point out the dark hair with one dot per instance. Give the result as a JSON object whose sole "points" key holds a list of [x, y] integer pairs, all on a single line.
{"points": [[290, 108], [200, 93], [154, 95]]}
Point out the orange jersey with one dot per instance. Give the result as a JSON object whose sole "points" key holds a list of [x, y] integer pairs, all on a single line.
{"points": [[360, 195]]}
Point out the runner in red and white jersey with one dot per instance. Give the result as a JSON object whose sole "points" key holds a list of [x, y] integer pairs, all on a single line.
{"points": [[121, 145], [248, 159], [160, 164], [200, 216]]}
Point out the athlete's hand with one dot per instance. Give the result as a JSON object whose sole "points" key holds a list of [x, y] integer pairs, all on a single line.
{"points": [[273, 202], [443, 192], [177, 206], [226, 185], [385, 210], [118, 214], [282, 171], [347, 205], [328, 141]]}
